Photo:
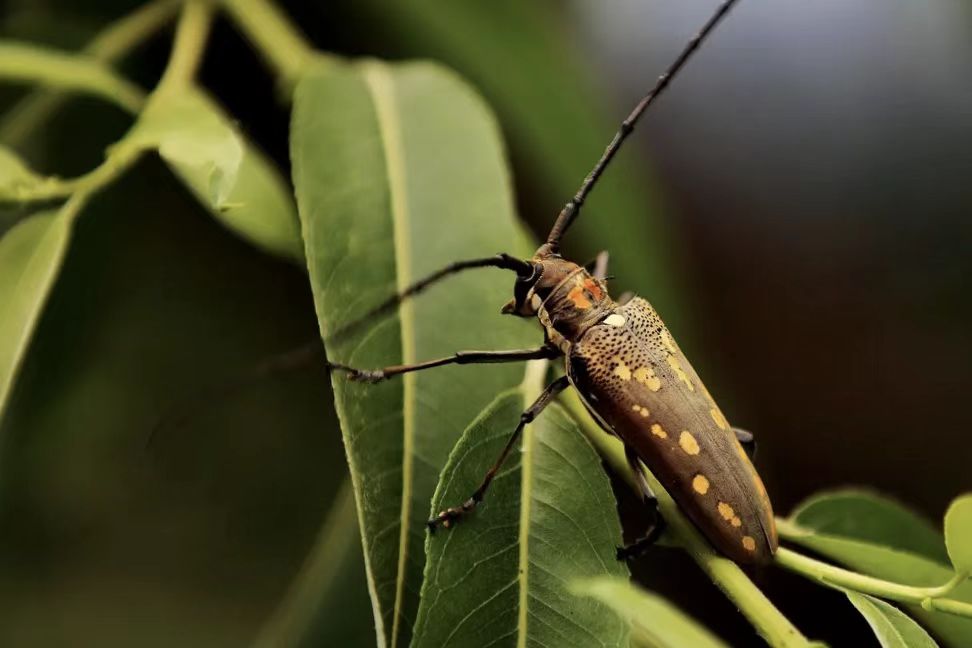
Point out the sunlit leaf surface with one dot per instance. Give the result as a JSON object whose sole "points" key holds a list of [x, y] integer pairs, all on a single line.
{"points": [[892, 627], [655, 621], [229, 175], [958, 533], [31, 254]]}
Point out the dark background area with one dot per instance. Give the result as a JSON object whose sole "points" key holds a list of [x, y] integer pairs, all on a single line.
{"points": [[815, 164]]}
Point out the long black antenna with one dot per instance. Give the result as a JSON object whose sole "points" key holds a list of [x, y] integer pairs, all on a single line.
{"points": [[572, 209]]}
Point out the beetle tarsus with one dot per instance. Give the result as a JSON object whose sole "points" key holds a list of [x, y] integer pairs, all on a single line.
{"points": [[366, 376], [447, 517]]}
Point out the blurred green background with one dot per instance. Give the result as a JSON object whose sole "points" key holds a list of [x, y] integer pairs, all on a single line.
{"points": [[797, 208]]}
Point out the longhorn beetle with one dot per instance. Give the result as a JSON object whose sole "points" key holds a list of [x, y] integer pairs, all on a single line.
{"points": [[630, 374]]}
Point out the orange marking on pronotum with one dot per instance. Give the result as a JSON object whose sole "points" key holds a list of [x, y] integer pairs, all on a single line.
{"points": [[579, 298], [593, 288]]}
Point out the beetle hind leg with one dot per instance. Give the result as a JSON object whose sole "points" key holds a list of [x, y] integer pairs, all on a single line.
{"points": [[746, 440], [636, 548]]}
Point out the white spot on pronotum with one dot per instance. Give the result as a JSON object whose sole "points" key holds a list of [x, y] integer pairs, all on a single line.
{"points": [[615, 320]]}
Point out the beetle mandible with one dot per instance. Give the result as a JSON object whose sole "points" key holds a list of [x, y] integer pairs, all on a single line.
{"points": [[630, 374]]}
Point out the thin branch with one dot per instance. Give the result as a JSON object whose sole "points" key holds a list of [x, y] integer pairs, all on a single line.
{"points": [[117, 40]]}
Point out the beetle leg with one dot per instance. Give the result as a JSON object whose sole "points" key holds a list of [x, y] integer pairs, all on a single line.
{"points": [[503, 261], [598, 266], [450, 515], [625, 297], [747, 441], [637, 547], [460, 357]]}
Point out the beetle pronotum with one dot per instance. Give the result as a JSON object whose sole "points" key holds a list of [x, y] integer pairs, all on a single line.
{"points": [[629, 372]]}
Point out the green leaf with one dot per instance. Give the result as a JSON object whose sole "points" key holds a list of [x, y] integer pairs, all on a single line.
{"points": [[503, 574], [866, 515], [31, 254], [656, 622], [230, 176], [891, 546], [958, 533], [891, 626], [30, 63], [398, 171]]}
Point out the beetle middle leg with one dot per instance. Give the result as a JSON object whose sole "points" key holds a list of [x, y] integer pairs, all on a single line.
{"points": [[638, 547], [450, 515], [460, 357]]}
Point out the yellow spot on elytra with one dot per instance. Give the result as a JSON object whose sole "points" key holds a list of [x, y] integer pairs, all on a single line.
{"points": [[641, 410], [614, 320], [726, 511], [646, 376], [701, 484], [688, 443], [659, 431], [719, 419], [622, 371], [736, 522], [677, 368], [749, 543], [668, 341]]}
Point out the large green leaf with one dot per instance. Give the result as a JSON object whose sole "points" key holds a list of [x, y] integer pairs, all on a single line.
{"points": [[501, 576], [398, 171], [656, 622], [892, 627], [890, 545], [230, 176], [31, 254]]}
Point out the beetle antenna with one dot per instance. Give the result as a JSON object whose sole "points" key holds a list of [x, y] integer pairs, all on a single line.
{"points": [[572, 209]]}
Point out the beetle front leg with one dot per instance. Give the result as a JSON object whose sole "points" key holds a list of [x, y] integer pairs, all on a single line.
{"points": [[450, 515]]}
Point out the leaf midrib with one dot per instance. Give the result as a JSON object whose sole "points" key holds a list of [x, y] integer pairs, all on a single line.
{"points": [[379, 84]]}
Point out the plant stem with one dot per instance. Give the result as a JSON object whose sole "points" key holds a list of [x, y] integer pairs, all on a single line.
{"points": [[187, 51], [769, 622], [929, 598], [36, 64], [188, 45], [26, 116], [273, 34]]}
